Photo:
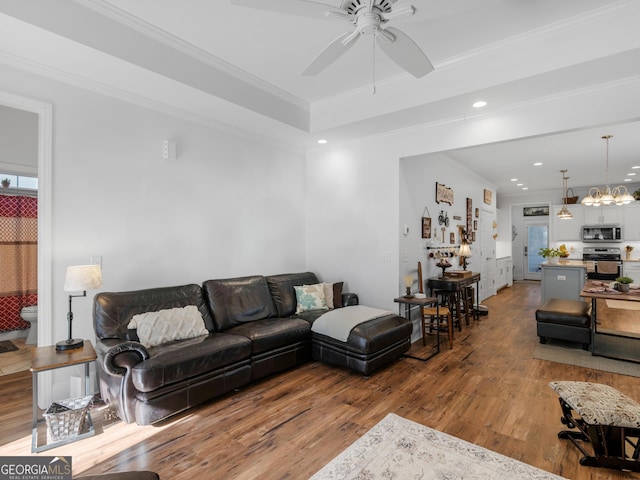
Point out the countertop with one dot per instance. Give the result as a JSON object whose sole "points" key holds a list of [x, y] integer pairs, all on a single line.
{"points": [[579, 263], [565, 263]]}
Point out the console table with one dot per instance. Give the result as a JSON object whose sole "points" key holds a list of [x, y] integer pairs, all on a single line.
{"points": [[457, 285], [48, 358]]}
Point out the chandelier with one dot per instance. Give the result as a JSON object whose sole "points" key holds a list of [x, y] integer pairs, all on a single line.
{"points": [[564, 212], [618, 195]]}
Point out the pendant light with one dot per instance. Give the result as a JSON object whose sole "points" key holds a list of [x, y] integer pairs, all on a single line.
{"points": [[564, 213], [618, 195]]}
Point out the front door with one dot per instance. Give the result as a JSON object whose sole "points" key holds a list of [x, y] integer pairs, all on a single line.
{"points": [[536, 237]]}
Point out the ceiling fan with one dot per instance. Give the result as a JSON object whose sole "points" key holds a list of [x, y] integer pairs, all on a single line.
{"points": [[367, 17]]}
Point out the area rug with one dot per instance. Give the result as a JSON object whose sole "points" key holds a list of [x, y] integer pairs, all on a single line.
{"points": [[565, 352], [622, 304], [7, 346], [402, 449]]}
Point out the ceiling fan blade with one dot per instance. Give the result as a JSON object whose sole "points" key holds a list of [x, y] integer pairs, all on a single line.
{"points": [[330, 54], [300, 8], [405, 52]]}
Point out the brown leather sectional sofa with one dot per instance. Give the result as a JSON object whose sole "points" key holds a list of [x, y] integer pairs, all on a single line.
{"points": [[253, 332]]}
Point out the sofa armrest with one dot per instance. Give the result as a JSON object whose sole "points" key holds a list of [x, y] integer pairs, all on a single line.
{"points": [[122, 357], [349, 299], [115, 364]]}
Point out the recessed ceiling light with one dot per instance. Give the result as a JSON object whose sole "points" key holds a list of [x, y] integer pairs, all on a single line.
{"points": [[627, 180], [635, 166], [519, 184], [631, 174], [322, 141], [514, 179], [537, 164], [480, 104], [525, 188]]}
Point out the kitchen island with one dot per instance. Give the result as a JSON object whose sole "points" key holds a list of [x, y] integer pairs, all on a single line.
{"points": [[563, 280]]}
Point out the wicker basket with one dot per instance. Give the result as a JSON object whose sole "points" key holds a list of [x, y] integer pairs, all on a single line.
{"points": [[66, 418], [570, 200]]}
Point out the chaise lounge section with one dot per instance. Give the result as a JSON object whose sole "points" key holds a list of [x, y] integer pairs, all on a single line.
{"points": [[164, 350]]}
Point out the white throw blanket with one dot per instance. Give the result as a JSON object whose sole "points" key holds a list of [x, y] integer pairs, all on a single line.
{"points": [[339, 322]]}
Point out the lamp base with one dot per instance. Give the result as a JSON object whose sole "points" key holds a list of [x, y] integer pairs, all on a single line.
{"points": [[70, 344]]}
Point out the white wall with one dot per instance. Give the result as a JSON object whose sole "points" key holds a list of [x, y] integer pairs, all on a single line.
{"points": [[353, 190], [504, 231], [358, 196], [18, 141], [418, 176], [226, 207]]}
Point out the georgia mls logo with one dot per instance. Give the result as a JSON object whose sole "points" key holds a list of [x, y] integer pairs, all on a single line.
{"points": [[35, 468]]}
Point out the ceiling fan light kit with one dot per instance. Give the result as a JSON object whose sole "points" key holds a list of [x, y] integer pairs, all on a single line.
{"points": [[367, 17]]}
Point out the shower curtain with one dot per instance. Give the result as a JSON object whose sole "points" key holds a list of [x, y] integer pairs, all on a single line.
{"points": [[18, 259]]}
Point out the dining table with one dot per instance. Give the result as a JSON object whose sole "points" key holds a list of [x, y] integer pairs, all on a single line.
{"points": [[611, 337]]}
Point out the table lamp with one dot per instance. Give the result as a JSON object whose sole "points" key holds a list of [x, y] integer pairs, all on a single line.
{"points": [[79, 277], [408, 281], [464, 253]]}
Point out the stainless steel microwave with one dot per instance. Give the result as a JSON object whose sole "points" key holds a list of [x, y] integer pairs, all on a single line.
{"points": [[602, 233]]}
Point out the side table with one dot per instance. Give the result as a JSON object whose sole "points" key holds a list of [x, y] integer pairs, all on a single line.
{"points": [[413, 302], [48, 358]]}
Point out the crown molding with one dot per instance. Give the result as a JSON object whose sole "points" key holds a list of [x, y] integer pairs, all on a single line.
{"points": [[537, 34]]}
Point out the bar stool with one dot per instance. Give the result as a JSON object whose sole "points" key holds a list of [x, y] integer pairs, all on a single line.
{"points": [[451, 300], [434, 318]]}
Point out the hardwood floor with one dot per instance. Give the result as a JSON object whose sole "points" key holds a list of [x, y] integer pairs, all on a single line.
{"points": [[487, 390], [18, 361]]}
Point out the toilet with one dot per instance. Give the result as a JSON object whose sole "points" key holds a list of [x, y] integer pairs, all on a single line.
{"points": [[30, 314]]}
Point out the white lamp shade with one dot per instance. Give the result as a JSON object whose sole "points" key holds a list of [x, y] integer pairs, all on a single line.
{"points": [[83, 277], [465, 251]]}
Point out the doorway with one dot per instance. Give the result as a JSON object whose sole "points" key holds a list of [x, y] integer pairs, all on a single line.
{"points": [[44, 170], [536, 236]]}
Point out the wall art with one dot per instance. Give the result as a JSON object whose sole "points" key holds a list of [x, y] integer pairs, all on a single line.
{"points": [[535, 211], [487, 196], [426, 227], [444, 194]]}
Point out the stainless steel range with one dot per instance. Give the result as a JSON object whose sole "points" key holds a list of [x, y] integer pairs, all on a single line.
{"points": [[603, 263]]}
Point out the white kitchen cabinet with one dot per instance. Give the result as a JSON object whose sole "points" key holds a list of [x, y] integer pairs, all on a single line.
{"points": [[563, 230], [504, 277], [631, 222], [603, 214], [632, 269]]}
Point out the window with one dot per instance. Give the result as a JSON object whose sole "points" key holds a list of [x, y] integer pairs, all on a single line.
{"points": [[21, 181]]}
